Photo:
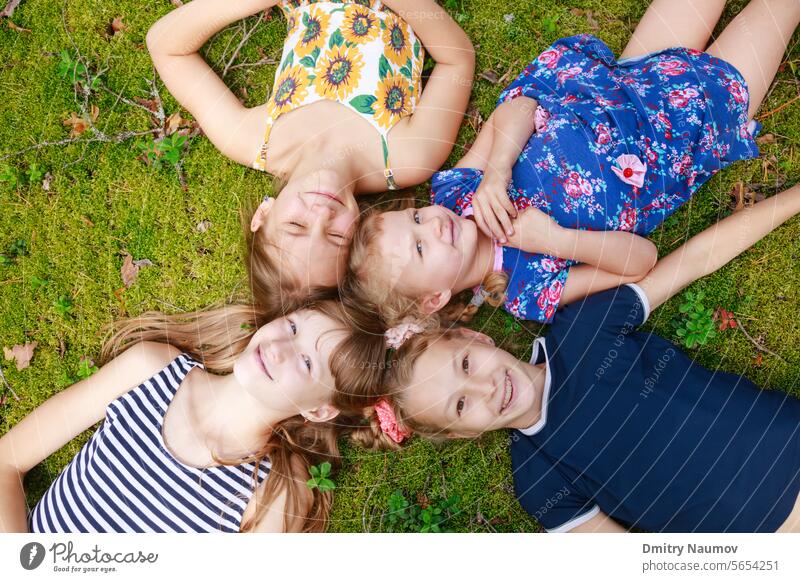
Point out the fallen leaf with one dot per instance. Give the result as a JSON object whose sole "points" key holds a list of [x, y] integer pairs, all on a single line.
{"points": [[149, 104], [203, 226], [743, 197], [490, 76], [116, 26], [173, 122], [94, 112], [3, 399], [130, 269], [48, 179], [176, 3], [758, 360], [577, 11], [77, 125], [766, 139], [13, 26], [86, 221], [22, 354]]}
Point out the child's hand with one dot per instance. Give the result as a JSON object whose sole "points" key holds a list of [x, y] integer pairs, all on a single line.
{"points": [[493, 208], [536, 232]]}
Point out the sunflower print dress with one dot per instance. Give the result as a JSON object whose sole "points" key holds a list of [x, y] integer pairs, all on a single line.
{"points": [[360, 54]]}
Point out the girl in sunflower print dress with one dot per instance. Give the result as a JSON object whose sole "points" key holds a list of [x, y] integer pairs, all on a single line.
{"points": [[347, 116]]}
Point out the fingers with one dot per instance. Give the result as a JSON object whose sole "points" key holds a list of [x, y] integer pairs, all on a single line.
{"points": [[479, 214], [501, 215]]}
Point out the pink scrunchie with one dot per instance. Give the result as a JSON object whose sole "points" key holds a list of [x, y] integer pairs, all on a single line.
{"points": [[388, 422]]}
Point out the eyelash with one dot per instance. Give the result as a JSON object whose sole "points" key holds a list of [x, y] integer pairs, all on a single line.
{"points": [[419, 244], [465, 368], [306, 359]]}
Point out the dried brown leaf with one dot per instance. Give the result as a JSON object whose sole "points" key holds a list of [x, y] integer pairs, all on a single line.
{"points": [[94, 112], [203, 226], [593, 24], [86, 221], [116, 26], [176, 3], [17, 28], [490, 75], [149, 104], [48, 179], [77, 125], [22, 354], [173, 123], [742, 196], [129, 271], [766, 139]]}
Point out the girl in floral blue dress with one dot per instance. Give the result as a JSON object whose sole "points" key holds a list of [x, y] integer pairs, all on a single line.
{"points": [[600, 144]]}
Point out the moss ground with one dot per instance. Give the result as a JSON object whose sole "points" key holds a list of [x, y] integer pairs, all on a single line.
{"points": [[102, 202]]}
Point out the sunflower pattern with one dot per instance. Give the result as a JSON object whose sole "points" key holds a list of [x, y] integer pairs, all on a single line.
{"points": [[291, 88], [393, 100], [361, 24], [396, 40], [314, 24], [356, 52], [338, 72]]}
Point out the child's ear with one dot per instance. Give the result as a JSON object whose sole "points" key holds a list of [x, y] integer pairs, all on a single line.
{"points": [[322, 413], [477, 336], [260, 215], [433, 302]]}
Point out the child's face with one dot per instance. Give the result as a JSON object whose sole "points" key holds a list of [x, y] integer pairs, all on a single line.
{"points": [[427, 250], [311, 221], [466, 386], [286, 365]]}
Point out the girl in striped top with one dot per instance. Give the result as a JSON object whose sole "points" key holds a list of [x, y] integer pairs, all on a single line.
{"points": [[209, 424]]}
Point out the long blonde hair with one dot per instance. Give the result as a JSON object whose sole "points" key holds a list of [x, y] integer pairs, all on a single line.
{"points": [[216, 337], [366, 280]]}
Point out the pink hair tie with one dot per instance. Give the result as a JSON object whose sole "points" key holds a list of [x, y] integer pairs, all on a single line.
{"points": [[388, 422], [397, 335]]}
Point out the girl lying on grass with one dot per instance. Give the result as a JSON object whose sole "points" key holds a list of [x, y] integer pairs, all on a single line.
{"points": [[595, 143], [210, 424], [349, 77], [615, 428]]}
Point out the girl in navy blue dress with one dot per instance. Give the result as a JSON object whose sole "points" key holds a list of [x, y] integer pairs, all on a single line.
{"points": [[595, 143], [614, 428]]}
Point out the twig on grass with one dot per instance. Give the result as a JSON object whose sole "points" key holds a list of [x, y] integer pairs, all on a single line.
{"points": [[246, 34], [757, 345], [100, 137], [779, 108], [7, 385]]}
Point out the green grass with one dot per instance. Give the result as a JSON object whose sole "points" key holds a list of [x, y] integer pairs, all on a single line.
{"points": [[103, 203]]}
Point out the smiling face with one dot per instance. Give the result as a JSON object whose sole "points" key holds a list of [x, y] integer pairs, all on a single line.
{"points": [[427, 250], [465, 386], [286, 365], [310, 223]]}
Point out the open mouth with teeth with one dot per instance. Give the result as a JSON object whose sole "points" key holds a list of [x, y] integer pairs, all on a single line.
{"points": [[508, 393]]}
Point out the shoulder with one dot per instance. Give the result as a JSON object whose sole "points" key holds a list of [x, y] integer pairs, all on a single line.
{"points": [[146, 358]]}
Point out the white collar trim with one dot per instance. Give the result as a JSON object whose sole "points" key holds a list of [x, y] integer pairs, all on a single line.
{"points": [[538, 344]]}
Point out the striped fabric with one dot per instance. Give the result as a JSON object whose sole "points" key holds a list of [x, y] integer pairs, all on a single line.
{"points": [[125, 480]]}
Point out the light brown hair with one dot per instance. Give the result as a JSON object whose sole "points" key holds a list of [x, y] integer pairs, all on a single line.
{"points": [[216, 337], [366, 280]]}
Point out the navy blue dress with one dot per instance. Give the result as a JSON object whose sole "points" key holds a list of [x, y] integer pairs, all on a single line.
{"points": [[634, 428], [680, 113]]}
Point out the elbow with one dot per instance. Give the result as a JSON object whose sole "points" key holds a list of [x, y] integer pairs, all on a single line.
{"points": [[152, 39]]}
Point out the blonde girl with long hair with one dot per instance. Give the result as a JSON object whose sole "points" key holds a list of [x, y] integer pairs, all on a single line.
{"points": [[210, 423], [347, 116]]}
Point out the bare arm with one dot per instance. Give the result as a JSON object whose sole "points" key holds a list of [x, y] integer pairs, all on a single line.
{"points": [[621, 253], [585, 280], [714, 247], [174, 42], [64, 416], [425, 141]]}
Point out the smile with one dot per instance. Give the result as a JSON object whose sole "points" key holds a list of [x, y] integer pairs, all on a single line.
{"points": [[262, 364], [508, 393]]}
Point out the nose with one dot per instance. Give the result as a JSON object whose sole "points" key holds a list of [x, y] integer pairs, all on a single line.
{"points": [[276, 352], [438, 225], [322, 211]]}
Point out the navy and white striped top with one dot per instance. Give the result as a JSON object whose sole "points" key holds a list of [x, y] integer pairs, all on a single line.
{"points": [[125, 480]]}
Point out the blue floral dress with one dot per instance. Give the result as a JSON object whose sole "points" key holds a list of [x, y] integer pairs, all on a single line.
{"points": [[679, 114]]}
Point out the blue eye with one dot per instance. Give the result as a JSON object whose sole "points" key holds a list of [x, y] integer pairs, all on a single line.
{"points": [[460, 406], [465, 364]]}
